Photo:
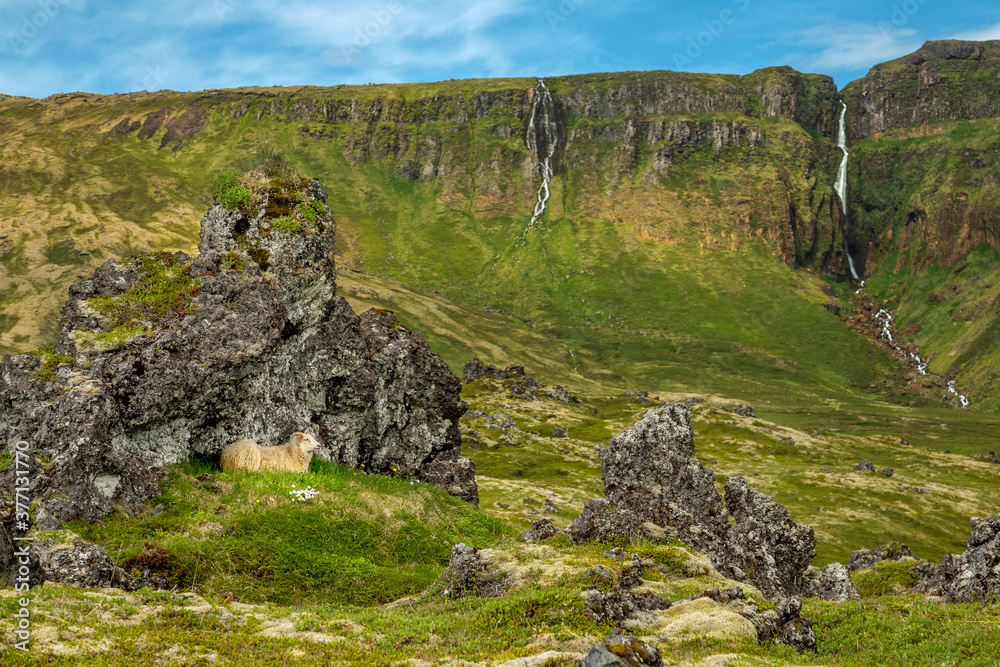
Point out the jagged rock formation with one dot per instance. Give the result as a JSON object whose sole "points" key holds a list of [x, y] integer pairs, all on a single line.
{"points": [[649, 469], [973, 576], [650, 475], [254, 344], [766, 545]]}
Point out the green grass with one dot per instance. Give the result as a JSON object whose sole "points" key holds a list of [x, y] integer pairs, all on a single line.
{"points": [[540, 612], [285, 224], [364, 539], [886, 578], [47, 371]]}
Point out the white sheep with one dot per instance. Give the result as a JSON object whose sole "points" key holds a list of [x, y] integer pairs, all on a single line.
{"points": [[248, 456]]}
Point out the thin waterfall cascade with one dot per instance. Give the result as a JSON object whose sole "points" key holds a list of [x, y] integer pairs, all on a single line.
{"points": [[543, 139], [841, 183], [884, 318]]}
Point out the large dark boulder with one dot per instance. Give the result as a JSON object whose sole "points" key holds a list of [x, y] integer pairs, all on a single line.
{"points": [[258, 346]]}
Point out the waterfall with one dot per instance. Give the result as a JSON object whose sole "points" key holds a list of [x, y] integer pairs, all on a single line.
{"points": [[961, 398], [884, 318], [542, 139], [841, 185]]}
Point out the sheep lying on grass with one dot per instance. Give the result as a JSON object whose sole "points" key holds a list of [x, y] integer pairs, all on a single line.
{"points": [[248, 456]]}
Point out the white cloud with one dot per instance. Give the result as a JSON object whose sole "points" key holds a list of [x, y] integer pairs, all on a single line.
{"points": [[992, 32], [835, 45]]}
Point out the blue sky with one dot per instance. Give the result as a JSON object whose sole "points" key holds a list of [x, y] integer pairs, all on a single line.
{"points": [[54, 46]]}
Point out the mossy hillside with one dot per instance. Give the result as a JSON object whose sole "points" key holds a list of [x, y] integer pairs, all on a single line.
{"points": [[952, 313], [434, 234], [886, 578], [925, 198], [263, 119], [363, 539]]}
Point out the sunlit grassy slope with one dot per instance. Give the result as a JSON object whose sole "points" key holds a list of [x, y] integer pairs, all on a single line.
{"points": [[674, 282]]}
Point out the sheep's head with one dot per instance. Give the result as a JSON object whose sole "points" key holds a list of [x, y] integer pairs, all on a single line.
{"points": [[305, 442]]}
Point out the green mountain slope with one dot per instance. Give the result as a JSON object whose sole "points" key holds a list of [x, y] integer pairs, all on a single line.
{"points": [[681, 202]]}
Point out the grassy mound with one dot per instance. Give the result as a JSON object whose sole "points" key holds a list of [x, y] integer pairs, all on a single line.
{"points": [[361, 539]]}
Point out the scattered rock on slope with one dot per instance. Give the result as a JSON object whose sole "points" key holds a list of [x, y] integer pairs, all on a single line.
{"points": [[540, 530]]}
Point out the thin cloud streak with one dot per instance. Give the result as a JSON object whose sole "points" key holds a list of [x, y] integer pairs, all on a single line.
{"points": [[992, 32]]}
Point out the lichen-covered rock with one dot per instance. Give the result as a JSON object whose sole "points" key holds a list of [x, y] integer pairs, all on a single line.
{"points": [[256, 346], [455, 474], [467, 574], [785, 624], [834, 583], [973, 576], [865, 466], [779, 621], [601, 522], [64, 558], [600, 656], [863, 558], [766, 546], [650, 469], [561, 394], [620, 649], [619, 604], [540, 530]]}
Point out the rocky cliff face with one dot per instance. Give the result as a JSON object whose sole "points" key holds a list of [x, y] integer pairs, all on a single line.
{"points": [[629, 137], [943, 80], [164, 357]]}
